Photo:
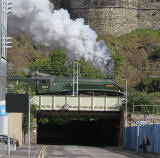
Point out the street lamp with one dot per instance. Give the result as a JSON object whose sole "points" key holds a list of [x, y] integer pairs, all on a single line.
{"points": [[126, 102], [126, 111]]}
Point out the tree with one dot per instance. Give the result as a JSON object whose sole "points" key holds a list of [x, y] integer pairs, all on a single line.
{"points": [[40, 64], [88, 70], [142, 98], [54, 64], [150, 85], [57, 59]]}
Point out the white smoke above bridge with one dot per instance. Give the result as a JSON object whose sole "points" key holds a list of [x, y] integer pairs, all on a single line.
{"points": [[54, 28]]}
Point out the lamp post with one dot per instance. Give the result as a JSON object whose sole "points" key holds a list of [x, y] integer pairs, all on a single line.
{"points": [[126, 112], [126, 102]]}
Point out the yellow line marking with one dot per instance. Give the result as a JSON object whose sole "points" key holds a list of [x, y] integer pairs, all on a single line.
{"points": [[41, 153]]}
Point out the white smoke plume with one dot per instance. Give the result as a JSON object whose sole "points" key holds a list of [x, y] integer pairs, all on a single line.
{"points": [[54, 28]]}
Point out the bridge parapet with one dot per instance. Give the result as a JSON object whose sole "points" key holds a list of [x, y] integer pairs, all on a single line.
{"points": [[77, 103]]}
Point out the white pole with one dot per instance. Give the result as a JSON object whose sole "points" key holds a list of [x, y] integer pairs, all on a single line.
{"points": [[8, 136], [126, 119], [77, 76], [73, 77], [137, 137], [29, 124]]}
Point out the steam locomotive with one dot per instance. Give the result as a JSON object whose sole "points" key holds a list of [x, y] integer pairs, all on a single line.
{"points": [[64, 86]]}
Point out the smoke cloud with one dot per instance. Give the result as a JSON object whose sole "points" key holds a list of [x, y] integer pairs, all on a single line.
{"points": [[54, 28]]}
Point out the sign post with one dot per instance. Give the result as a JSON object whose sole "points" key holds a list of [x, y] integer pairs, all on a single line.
{"points": [[137, 137], [140, 123], [29, 131]]}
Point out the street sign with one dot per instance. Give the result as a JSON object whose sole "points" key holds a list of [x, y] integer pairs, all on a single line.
{"points": [[138, 123], [38, 83], [3, 110]]}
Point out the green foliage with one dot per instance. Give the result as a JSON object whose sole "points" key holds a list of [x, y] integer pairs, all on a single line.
{"points": [[61, 121], [155, 56], [22, 87], [142, 98], [58, 121], [52, 65], [150, 85], [118, 61], [57, 61], [88, 70], [26, 119], [55, 65], [20, 73], [132, 54], [40, 64], [43, 121]]}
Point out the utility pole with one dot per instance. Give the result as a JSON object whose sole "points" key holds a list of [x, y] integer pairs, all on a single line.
{"points": [[75, 78]]}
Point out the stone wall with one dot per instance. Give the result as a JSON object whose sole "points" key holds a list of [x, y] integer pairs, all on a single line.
{"points": [[152, 4], [148, 19], [15, 126], [118, 20], [100, 3], [115, 17], [114, 21]]}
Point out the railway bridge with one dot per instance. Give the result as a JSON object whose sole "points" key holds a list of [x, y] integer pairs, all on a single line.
{"points": [[78, 106], [92, 116], [102, 117]]}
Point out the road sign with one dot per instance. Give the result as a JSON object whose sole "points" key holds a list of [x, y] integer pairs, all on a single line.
{"points": [[3, 110], [38, 83], [142, 123]]}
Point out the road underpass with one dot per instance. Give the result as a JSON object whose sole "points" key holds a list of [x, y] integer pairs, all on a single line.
{"points": [[79, 128]]}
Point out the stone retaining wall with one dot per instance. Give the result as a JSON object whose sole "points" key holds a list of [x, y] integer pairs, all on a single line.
{"points": [[114, 21], [115, 17]]}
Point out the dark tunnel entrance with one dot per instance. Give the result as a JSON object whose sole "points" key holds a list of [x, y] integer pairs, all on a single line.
{"points": [[96, 132]]}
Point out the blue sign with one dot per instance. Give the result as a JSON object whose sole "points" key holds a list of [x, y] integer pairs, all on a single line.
{"points": [[3, 110], [38, 82], [138, 123]]}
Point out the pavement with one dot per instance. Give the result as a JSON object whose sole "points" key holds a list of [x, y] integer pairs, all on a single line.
{"points": [[130, 153], [22, 152]]}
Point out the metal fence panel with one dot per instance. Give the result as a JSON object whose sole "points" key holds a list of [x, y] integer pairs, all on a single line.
{"points": [[152, 131]]}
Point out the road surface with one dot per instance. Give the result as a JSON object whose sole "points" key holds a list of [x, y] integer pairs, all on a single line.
{"points": [[74, 151]]}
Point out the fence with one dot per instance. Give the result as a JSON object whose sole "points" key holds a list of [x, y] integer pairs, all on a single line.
{"points": [[152, 131]]}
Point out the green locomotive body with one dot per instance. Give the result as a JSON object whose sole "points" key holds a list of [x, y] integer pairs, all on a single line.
{"points": [[86, 86], [64, 86]]}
